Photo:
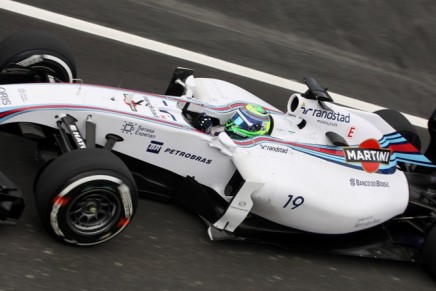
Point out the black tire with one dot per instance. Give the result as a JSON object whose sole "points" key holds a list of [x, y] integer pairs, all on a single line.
{"points": [[86, 196], [428, 251], [56, 61], [400, 123]]}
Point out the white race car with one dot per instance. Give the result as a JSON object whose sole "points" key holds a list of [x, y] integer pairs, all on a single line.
{"points": [[319, 176]]}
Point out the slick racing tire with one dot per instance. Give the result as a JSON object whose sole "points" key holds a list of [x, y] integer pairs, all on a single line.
{"points": [[428, 251], [400, 123], [86, 196], [35, 56]]}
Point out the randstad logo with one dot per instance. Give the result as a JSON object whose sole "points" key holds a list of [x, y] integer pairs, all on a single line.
{"points": [[325, 114]]}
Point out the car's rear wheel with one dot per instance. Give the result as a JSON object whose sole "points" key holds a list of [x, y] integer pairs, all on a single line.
{"points": [[428, 251], [35, 56], [86, 196]]}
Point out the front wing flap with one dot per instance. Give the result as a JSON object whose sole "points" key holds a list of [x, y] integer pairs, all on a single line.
{"points": [[11, 201]]}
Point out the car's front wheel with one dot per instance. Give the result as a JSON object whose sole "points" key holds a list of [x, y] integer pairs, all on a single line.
{"points": [[35, 56], [86, 196]]}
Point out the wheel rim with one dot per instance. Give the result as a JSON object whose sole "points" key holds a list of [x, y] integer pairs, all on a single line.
{"points": [[94, 210], [48, 67], [59, 72], [46, 70]]}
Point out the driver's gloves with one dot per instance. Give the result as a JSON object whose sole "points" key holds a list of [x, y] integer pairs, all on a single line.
{"points": [[204, 123]]}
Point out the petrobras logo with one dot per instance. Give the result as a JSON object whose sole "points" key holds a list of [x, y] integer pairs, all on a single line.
{"points": [[327, 115], [154, 147], [369, 154], [187, 155]]}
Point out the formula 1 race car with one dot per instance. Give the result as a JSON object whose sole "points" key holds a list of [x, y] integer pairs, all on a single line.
{"points": [[319, 176]]}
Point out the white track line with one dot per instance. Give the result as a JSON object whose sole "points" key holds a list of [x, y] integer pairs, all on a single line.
{"points": [[176, 52]]}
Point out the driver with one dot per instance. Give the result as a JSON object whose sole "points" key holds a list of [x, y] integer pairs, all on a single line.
{"points": [[246, 122], [249, 121]]}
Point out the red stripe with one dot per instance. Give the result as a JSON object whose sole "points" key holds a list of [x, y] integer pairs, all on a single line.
{"points": [[69, 107], [406, 147]]}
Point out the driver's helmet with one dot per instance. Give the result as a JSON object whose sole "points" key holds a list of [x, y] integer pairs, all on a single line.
{"points": [[249, 121]]}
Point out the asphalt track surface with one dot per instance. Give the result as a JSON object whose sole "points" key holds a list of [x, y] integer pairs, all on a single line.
{"points": [[383, 53]]}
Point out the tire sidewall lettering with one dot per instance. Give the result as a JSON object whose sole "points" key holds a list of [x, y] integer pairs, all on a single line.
{"points": [[59, 212]]}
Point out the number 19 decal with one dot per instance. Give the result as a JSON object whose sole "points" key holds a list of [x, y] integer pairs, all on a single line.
{"points": [[294, 201]]}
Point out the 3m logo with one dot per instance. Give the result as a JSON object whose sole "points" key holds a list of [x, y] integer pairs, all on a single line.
{"points": [[369, 154], [154, 147]]}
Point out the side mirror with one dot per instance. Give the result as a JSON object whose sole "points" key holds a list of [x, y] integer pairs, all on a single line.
{"points": [[224, 143], [190, 86], [176, 86]]}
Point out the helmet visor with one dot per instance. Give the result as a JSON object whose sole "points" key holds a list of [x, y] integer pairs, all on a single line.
{"points": [[241, 121]]}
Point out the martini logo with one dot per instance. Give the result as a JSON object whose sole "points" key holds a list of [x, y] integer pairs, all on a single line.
{"points": [[369, 154]]}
